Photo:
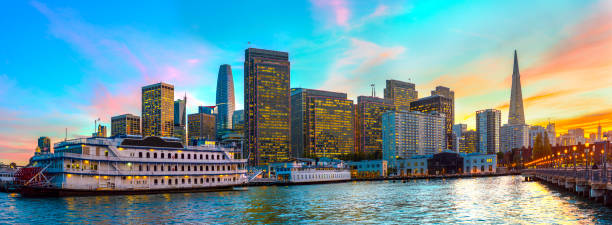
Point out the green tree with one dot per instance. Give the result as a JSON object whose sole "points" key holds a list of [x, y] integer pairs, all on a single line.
{"points": [[546, 145], [538, 147]]}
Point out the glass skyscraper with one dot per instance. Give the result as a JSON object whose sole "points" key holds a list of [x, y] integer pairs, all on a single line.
{"points": [[369, 119], [127, 124], [158, 110], [267, 106], [321, 123], [225, 99], [401, 93]]}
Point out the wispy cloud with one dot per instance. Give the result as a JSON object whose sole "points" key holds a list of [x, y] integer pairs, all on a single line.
{"points": [[337, 10], [353, 68]]}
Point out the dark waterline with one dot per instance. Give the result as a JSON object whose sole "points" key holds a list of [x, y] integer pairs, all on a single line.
{"points": [[490, 200]]}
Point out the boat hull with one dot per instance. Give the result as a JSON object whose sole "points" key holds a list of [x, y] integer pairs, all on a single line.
{"points": [[57, 192]]}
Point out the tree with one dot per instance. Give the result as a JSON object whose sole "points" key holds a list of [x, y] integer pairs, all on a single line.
{"points": [[546, 145], [538, 147]]}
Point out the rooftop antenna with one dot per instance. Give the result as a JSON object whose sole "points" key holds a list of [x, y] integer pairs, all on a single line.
{"points": [[373, 90]]}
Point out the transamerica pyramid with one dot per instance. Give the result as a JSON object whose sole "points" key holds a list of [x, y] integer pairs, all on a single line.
{"points": [[517, 114]]}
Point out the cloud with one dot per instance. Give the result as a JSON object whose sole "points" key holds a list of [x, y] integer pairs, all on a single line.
{"points": [[353, 68], [335, 9], [588, 122]]}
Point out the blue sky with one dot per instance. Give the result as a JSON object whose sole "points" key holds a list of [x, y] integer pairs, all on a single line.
{"points": [[64, 64]]}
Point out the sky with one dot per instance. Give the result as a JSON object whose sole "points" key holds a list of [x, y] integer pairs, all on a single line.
{"points": [[65, 64]]}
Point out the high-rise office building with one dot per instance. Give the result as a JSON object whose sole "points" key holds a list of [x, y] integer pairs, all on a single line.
{"points": [[552, 134], [514, 136], [180, 117], [401, 94], [369, 122], [267, 103], [100, 132], [488, 127], [469, 142], [410, 133], [321, 123], [440, 104], [238, 120], [516, 114], [201, 126], [534, 131], [126, 124], [158, 110], [225, 99], [458, 130], [207, 109], [44, 145]]}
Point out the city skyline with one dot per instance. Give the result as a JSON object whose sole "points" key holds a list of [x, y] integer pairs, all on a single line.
{"points": [[85, 62]]}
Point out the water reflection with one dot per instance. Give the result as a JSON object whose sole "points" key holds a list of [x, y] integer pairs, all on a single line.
{"points": [[465, 200]]}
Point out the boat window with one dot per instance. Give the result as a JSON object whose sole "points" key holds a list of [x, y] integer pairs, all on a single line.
{"points": [[183, 181], [182, 156], [200, 156], [182, 168], [169, 182], [201, 180], [148, 155], [155, 181], [201, 168], [161, 155], [188, 156], [140, 155], [206, 156], [155, 155]]}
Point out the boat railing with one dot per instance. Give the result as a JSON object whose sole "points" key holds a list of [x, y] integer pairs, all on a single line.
{"points": [[131, 159]]}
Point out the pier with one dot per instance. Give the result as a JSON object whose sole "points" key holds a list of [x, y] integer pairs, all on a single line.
{"points": [[589, 183]]}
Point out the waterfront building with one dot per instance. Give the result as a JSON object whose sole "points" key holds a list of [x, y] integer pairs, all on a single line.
{"points": [[369, 123], [100, 132], [412, 166], [401, 94], [267, 105], [517, 113], [410, 133], [479, 163], [158, 110], [321, 124], [201, 127], [488, 123], [458, 130], [210, 110], [132, 164], [469, 142], [442, 105], [445, 163], [44, 145], [180, 116], [225, 99], [238, 120], [126, 124], [368, 168], [514, 137]]}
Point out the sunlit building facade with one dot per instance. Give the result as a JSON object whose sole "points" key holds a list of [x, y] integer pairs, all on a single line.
{"points": [[321, 124], [458, 130], [238, 120], [440, 104], [410, 133], [158, 110], [469, 142], [488, 124], [369, 122], [514, 136], [127, 124], [401, 94], [201, 126], [267, 103]]}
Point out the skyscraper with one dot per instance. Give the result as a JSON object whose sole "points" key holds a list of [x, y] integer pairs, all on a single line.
{"points": [[201, 127], [267, 106], [410, 133], [238, 120], [488, 127], [440, 104], [127, 124], [458, 130], [401, 93], [158, 110], [321, 123], [369, 123], [469, 142], [44, 145], [552, 133], [516, 114], [514, 136], [225, 99], [101, 131], [180, 117]]}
